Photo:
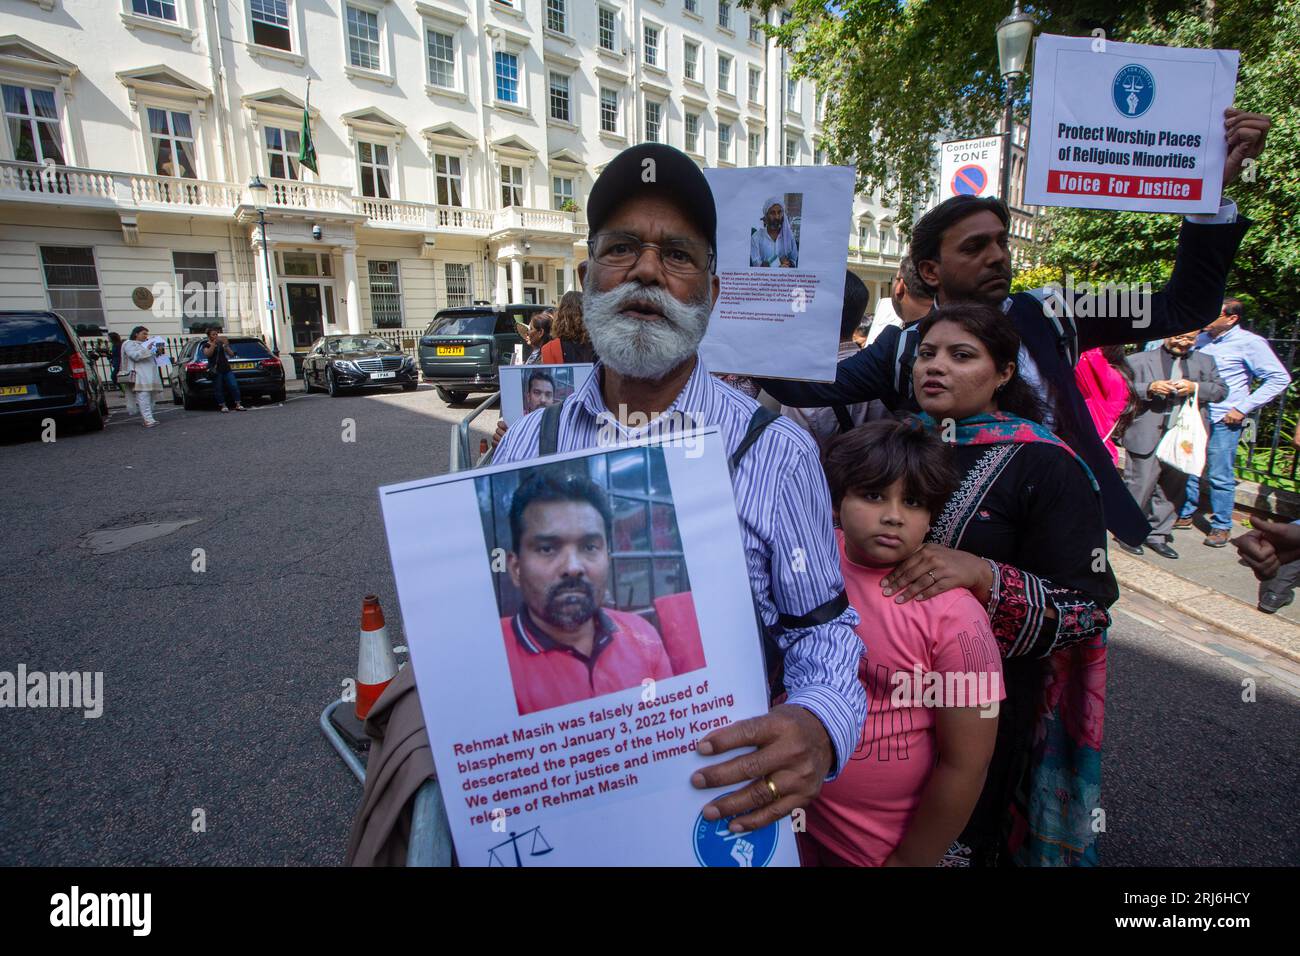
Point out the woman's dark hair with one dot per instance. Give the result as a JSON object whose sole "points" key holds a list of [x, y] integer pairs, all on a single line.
{"points": [[927, 234], [542, 321], [1000, 339], [114, 337], [1114, 356], [546, 486], [873, 456], [568, 319], [137, 330]]}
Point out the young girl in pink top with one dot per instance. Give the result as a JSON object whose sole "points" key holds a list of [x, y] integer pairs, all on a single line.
{"points": [[931, 670]]}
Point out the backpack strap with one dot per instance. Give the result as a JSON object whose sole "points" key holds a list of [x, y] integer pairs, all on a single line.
{"points": [[548, 438], [904, 356], [1057, 310], [843, 417], [761, 418]]}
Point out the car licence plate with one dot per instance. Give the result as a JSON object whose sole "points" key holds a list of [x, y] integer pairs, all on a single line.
{"points": [[13, 390], [383, 374], [452, 350], [243, 365]]}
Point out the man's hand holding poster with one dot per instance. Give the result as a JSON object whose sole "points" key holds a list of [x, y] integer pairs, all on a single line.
{"points": [[782, 251], [576, 626]]}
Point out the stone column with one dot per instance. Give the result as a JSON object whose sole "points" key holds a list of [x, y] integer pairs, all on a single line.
{"points": [[568, 276], [352, 289], [516, 279]]}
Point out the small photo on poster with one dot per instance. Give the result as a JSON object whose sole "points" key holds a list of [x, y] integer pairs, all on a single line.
{"points": [[590, 576], [774, 241], [526, 388]]}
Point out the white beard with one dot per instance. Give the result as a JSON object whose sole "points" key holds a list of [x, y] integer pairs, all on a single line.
{"points": [[638, 348]]}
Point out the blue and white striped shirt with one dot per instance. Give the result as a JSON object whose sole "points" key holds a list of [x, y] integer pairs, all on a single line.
{"points": [[785, 520]]}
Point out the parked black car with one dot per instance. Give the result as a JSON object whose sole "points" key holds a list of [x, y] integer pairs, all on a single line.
{"points": [[45, 372], [257, 372], [462, 347], [337, 363]]}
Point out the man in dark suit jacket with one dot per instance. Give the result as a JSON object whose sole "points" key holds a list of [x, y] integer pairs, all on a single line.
{"points": [[1162, 378], [961, 251]]}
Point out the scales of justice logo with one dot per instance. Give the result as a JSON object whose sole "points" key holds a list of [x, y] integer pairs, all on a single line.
{"points": [[1133, 90], [506, 853]]}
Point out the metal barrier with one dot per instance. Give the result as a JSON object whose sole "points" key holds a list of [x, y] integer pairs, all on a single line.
{"points": [[462, 456]]}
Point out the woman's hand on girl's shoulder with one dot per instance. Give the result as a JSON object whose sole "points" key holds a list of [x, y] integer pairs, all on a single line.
{"points": [[933, 569]]}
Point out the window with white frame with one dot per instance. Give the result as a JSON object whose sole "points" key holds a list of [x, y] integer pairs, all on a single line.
{"points": [[282, 147], [270, 19], [821, 109], [561, 190], [448, 180], [755, 30], [171, 137], [608, 110], [862, 236], [32, 118], [691, 60], [72, 284], [198, 270], [724, 14], [559, 285], [557, 16], [653, 120], [755, 85], [560, 97], [691, 6], [376, 173], [512, 185], [724, 142], [791, 150], [158, 9], [692, 132], [607, 28], [363, 38], [819, 156], [507, 77], [792, 94], [651, 46], [724, 73], [441, 48], [460, 284], [755, 148], [385, 294]]}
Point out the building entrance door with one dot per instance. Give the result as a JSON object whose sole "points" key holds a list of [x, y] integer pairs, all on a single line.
{"points": [[304, 301]]}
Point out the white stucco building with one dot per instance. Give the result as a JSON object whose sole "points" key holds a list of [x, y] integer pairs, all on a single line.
{"points": [[456, 143]]}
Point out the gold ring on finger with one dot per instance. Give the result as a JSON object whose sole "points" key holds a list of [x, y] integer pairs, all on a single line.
{"points": [[771, 788]]}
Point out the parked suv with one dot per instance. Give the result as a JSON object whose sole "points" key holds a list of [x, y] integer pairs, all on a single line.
{"points": [[46, 372], [257, 372], [462, 347]]}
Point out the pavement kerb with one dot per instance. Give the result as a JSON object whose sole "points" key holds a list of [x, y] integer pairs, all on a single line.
{"points": [[1221, 611]]}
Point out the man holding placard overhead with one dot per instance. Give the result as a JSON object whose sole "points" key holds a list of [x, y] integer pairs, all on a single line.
{"points": [[961, 250]]}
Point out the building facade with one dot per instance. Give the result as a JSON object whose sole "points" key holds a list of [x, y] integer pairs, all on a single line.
{"points": [[456, 141]]}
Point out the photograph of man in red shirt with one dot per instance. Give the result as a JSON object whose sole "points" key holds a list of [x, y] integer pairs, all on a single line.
{"points": [[562, 645]]}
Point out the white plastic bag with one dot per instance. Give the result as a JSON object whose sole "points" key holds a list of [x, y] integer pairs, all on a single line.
{"points": [[1184, 445]]}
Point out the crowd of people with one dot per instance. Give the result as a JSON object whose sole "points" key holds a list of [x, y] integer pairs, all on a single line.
{"points": [[951, 493]]}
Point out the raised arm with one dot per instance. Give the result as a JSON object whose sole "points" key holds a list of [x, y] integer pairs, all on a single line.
{"points": [[862, 377]]}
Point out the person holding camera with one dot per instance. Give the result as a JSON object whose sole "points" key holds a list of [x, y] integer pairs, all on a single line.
{"points": [[225, 389], [139, 376]]}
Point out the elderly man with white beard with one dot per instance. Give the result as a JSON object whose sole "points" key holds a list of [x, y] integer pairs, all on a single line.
{"points": [[648, 288]]}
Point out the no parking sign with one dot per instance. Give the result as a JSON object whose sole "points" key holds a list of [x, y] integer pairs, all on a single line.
{"points": [[971, 167]]}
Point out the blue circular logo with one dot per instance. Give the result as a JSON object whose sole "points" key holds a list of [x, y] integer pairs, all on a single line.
{"points": [[1133, 90], [715, 845]]}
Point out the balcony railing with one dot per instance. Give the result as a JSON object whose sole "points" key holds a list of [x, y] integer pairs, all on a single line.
{"points": [[133, 191]]}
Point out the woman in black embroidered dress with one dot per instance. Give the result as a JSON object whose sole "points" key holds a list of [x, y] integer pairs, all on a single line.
{"points": [[1025, 534]]}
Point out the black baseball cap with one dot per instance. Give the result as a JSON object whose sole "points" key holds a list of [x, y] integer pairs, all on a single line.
{"points": [[671, 173]]}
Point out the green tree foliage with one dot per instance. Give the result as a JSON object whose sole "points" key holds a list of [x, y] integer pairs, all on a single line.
{"points": [[904, 74]]}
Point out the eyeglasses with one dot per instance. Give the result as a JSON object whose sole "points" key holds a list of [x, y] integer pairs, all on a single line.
{"points": [[681, 257]]}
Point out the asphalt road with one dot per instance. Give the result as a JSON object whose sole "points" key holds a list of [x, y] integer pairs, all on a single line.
{"points": [[214, 680]]}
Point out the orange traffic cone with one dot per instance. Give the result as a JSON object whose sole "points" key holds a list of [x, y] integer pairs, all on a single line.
{"points": [[376, 666]]}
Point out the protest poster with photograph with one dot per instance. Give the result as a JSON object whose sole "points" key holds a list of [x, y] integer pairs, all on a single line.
{"points": [[783, 236], [512, 579], [1128, 126], [526, 388]]}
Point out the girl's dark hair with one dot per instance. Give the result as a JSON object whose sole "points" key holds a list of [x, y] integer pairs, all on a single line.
{"points": [[999, 337], [1114, 356], [873, 456]]}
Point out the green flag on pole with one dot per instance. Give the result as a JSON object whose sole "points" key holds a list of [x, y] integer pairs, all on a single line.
{"points": [[306, 148]]}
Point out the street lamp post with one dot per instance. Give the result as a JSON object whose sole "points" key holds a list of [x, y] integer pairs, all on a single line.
{"points": [[1015, 33], [258, 190]]}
